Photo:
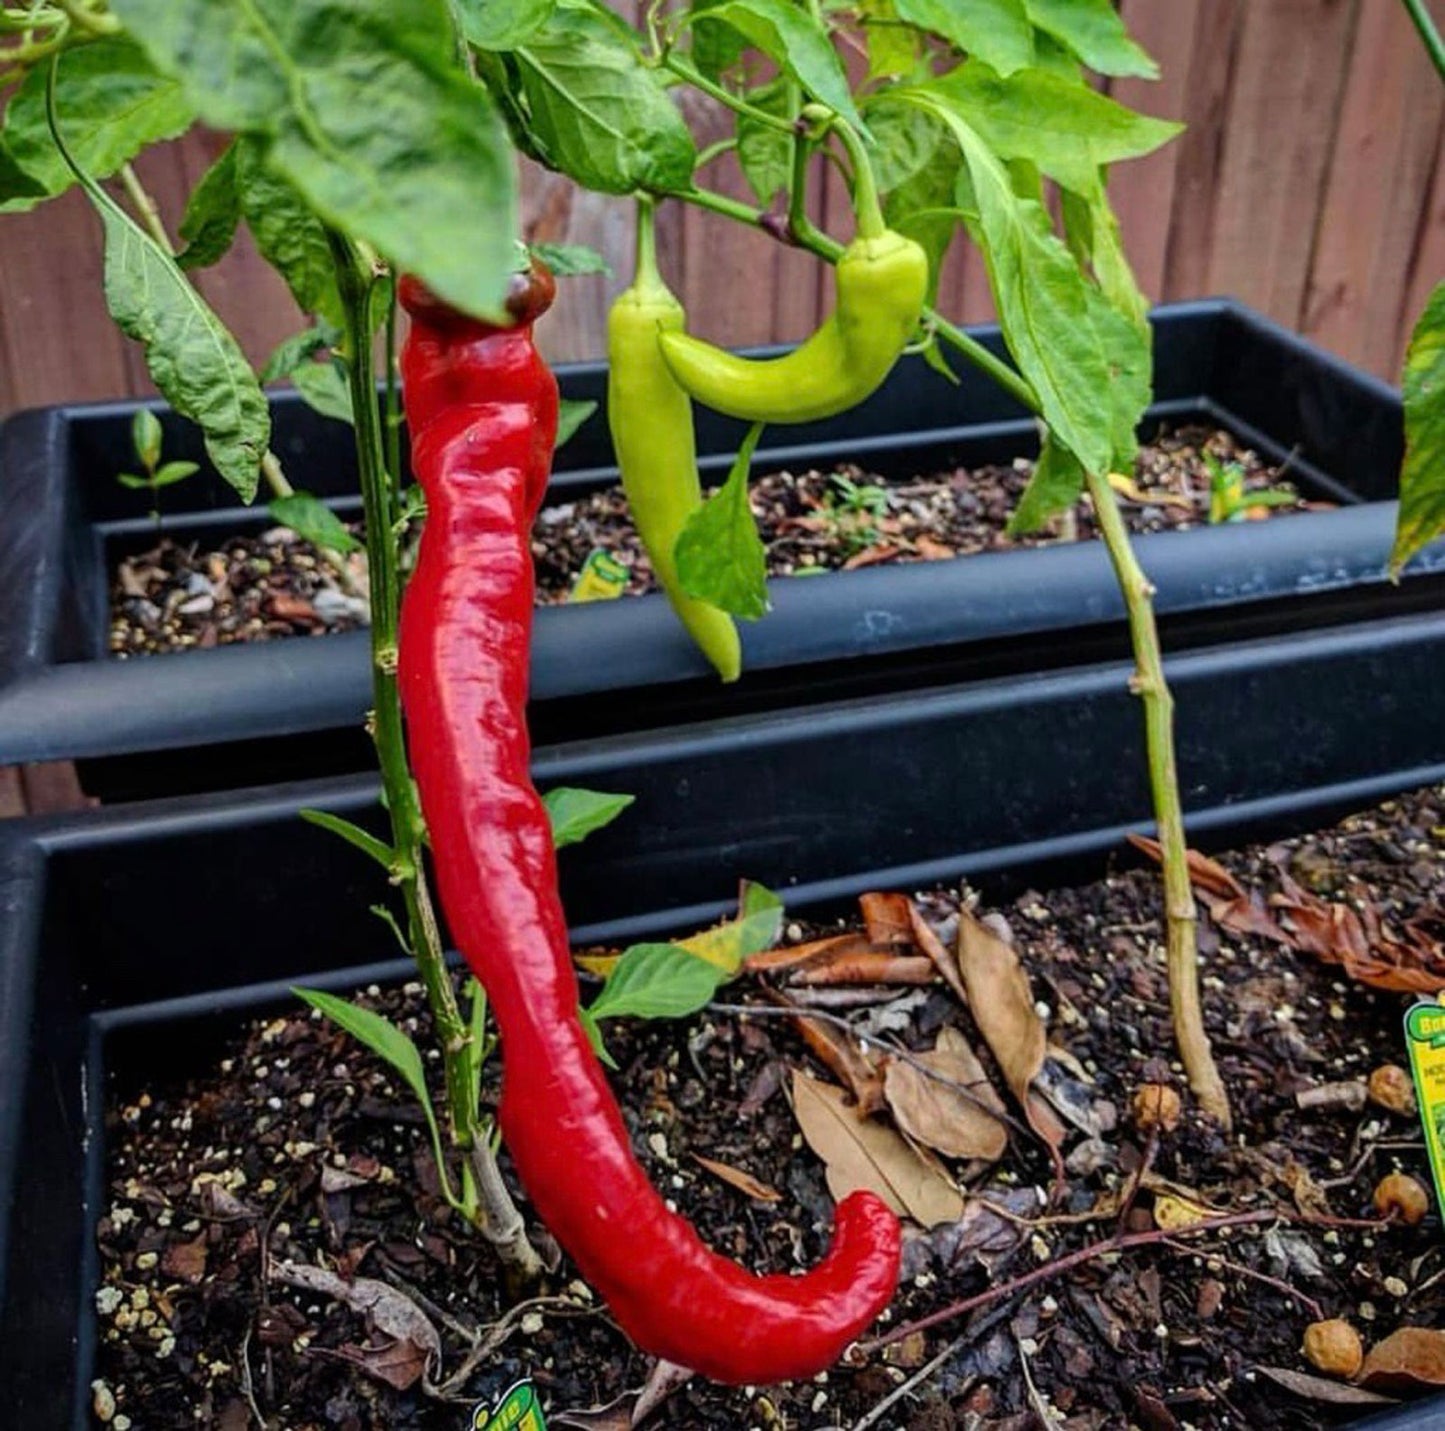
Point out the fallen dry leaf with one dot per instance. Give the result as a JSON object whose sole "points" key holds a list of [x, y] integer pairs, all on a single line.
{"points": [[1409, 1360], [185, 1261], [941, 1117], [990, 1228], [843, 1057], [632, 1408], [1173, 1213], [1075, 1100], [858, 1152], [870, 966], [793, 956], [885, 917], [1205, 874], [931, 945], [399, 1364], [1319, 1388], [745, 1183]]}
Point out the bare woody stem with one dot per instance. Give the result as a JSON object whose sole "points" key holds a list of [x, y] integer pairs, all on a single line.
{"points": [[496, 1214], [1181, 917]]}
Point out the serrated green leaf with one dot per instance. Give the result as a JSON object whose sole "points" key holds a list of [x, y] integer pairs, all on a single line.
{"points": [[290, 353], [169, 473], [575, 814], [1056, 484], [799, 44], [115, 103], [571, 260], [502, 24], [212, 215], [288, 234], [604, 118], [720, 556], [656, 981], [571, 414], [997, 31], [354, 835], [1093, 30], [364, 108], [1422, 478], [1042, 297], [1065, 128], [324, 389], [313, 521]]}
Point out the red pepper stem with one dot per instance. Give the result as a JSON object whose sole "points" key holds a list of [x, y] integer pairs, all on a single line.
{"points": [[495, 1214]]}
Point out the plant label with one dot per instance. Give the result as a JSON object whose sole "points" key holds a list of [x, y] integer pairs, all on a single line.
{"points": [[1425, 1039]]}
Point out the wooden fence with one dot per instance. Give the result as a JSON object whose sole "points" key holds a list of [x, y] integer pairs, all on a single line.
{"points": [[1310, 183]]}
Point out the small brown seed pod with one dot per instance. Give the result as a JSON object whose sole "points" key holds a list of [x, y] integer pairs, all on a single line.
{"points": [[1333, 1347], [1156, 1105], [1391, 1088], [1400, 1196]]}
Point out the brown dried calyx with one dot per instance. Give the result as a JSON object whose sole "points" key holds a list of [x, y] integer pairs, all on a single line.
{"points": [[1156, 1105], [1401, 1197], [1334, 1347], [1391, 1088]]}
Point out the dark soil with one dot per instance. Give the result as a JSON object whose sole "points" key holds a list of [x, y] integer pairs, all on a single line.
{"points": [[276, 585], [294, 1146]]}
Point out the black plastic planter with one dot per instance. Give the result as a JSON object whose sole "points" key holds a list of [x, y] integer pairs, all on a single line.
{"points": [[625, 665], [131, 931]]}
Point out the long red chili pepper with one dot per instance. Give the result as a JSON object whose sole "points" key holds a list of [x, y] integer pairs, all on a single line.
{"points": [[482, 408]]}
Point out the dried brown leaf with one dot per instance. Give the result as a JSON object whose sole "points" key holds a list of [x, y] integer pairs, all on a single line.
{"points": [[744, 1182], [932, 946], [400, 1364], [185, 1261], [939, 1116], [870, 966], [861, 1153], [1320, 1388], [885, 917], [842, 1056], [1205, 874], [1409, 1360], [793, 956]]}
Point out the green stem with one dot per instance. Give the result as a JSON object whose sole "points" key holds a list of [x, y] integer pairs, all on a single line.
{"points": [[714, 151], [147, 211], [1434, 45], [865, 186], [647, 278], [393, 397], [1180, 915], [497, 1218], [684, 70]]}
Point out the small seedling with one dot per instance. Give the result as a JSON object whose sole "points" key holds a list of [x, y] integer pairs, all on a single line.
{"points": [[145, 440], [853, 510], [1230, 500]]}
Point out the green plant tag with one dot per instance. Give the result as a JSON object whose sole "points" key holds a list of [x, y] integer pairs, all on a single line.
{"points": [[516, 1411], [1425, 1040], [602, 578]]}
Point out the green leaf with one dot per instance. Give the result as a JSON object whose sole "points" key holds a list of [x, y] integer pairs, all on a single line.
{"points": [[1092, 230], [354, 835], [921, 206], [388, 1043], [1042, 297], [212, 213], [1056, 485], [800, 45], [289, 236], [313, 521], [571, 260], [893, 49], [997, 31], [1128, 347], [363, 107], [1092, 30], [477, 1047], [765, 154], [602, 116], [502, 24], [15, 183], [1422, 478], [571, 414], [192, 357], [146, 437], [323, 387], [116, 102], [758, 924], [575, 814], [656, 981], [905, 139], [292, 352], [1064, 127], [720, 557], [172, 472], [594, 1037], [134, 483]]}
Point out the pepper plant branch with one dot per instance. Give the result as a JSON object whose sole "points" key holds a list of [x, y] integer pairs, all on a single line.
{"points": [[684, 70], [147, 210], [1181, 917], [1434, 45], [496, 1215]]}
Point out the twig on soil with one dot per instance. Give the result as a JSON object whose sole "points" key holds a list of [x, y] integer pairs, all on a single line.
{"points": [[497, 1334], [1131, 1192], [913, 1383], [1041, 1408], [247, 1389], [1239, 1269], [1392, 1145], [1118, 1243]]}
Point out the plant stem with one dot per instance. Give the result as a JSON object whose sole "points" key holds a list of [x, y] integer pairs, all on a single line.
{"points": [[496, 1215], [684, 70], [1181, 918], [145, 206], [865, 186], [1434, 45], [393, 397]]}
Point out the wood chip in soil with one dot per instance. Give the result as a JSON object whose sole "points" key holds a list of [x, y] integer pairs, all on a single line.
{"points": [[177, 596], [293, 1144]]}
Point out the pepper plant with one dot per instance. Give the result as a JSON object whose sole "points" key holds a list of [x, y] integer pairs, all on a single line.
{"points": [[370, 140]]}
